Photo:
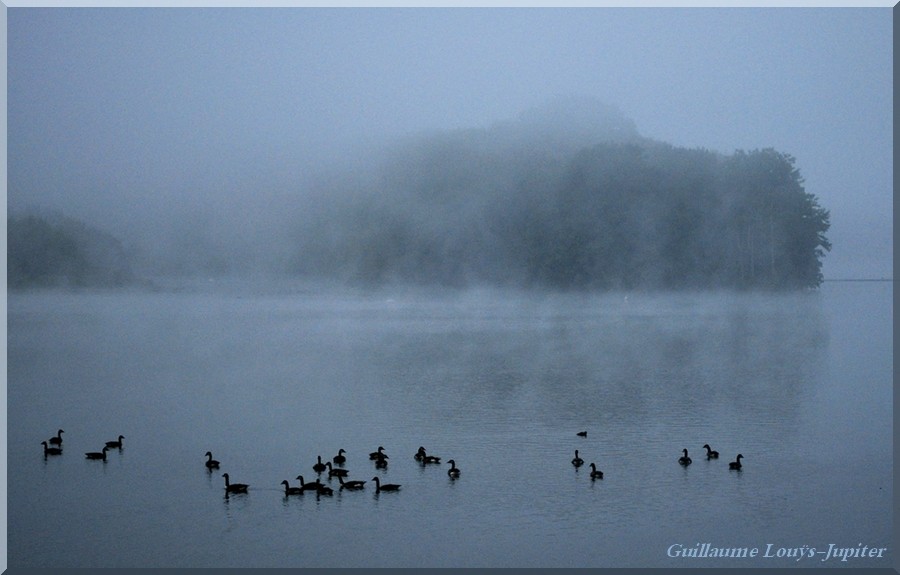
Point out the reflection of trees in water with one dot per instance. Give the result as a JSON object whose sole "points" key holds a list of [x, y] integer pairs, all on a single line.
{"points": [[743, 357]]}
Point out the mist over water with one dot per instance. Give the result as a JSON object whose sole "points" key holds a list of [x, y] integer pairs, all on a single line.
{"points": [[268, 379]]}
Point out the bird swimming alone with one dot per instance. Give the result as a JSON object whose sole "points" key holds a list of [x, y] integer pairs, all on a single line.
{"points": [[386, 487], [577, 461], [339, 459], [581, 434], [115, 444], [210, 462], [684, 459], [234, 487], [97, 454], [51, 450], [596, 473], [710, 454], [736, 464], [453, 472]]}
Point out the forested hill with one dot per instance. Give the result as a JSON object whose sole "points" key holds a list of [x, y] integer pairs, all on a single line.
{"points": [[57, 251], [558, 199], [494, 207]]}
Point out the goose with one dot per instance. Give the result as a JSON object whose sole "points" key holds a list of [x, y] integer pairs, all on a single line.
{"points": [[596, 473], [581, 434], [288, 490], [234, 487], [210, 462], [324, 490], [710, 454], [577, 461], [58, 439], [97, 454], [51, 450], [311, 486], [386, 487], [684, 459], [420, 454], [319, 467], [339, 459], [335, 472], [736, 464], [453, 472], [353, 484], [115, 444], [381, 463], [380, 454], [430, 459]]}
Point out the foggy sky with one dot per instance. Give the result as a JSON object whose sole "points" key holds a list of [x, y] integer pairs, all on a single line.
{"points": [[131, 118]]}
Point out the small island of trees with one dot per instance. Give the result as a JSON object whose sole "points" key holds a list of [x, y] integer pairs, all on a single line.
{"points": [[543, 203]]}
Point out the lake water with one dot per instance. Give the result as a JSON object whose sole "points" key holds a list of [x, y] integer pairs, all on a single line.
{"points": [[270, 378]]}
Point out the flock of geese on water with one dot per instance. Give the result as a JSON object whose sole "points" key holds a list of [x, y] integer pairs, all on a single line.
{"points": [[335, 467], [53, 446]]}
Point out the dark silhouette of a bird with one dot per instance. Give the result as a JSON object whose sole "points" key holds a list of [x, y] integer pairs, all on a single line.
{"points": [[386, 487], [577, 461], [115, 444], [210, 462], [234, 487], [97, 454], [57, 441], [352, 484], [288, 490]]}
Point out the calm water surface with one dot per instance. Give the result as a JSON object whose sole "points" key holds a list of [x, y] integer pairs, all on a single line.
{"points": [[267, 380]]}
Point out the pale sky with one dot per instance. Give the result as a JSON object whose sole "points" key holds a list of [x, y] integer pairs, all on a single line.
{"points": [[128, 117]]}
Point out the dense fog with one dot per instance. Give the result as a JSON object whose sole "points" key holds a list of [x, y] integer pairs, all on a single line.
{"points": [[535, 148], [566, 196]]}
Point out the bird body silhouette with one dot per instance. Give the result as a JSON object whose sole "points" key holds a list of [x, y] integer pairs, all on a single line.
{"points": [[115, 444], [386, 487], [234, 487], [288, 490], [352, 484], [97, 454], [577, 461], [58, 439], [710, 454], [210, 462]]}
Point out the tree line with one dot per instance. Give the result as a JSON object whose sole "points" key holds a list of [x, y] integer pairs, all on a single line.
{"points": [[531, 205], [632, 214]]}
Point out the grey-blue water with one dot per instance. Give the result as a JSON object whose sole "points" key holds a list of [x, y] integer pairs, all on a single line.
{"points": [[269, 379]]}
